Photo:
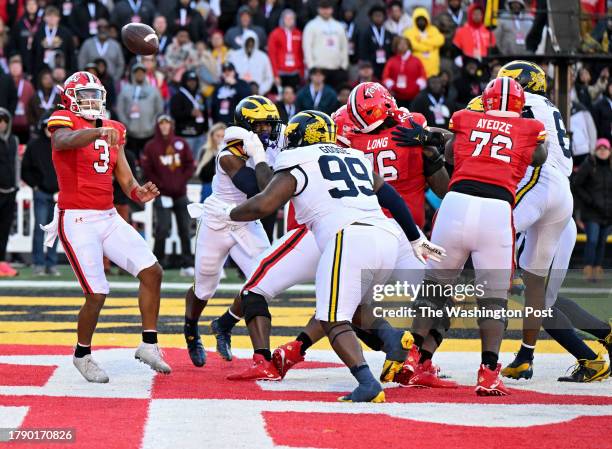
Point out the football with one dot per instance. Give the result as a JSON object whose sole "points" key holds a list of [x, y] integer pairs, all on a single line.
{"points": [[140, 38]]}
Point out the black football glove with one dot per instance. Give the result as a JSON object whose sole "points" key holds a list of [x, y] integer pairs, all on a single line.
{"points": [[416, 136]]}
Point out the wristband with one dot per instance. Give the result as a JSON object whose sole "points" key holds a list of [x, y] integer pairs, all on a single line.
{"points": [[133, 195]]}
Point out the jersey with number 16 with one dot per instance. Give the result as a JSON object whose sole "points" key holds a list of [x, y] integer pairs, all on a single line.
{"points": [[85, 175]]}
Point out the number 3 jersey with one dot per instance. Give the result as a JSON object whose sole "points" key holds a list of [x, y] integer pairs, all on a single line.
{"points": [[85, 175], [493, 150], [333, 189]]}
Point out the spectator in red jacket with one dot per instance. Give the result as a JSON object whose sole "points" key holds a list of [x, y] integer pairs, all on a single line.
{"points": [[168, 162], [285, 51], [473, 39], [404, 74]]}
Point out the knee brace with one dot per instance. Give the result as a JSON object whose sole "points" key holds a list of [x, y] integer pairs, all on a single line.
{"points": [[492, 309], [254, 305]]}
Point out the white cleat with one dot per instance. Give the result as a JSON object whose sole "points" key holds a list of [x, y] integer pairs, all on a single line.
{"points": [[151, 355], [90, 370]]}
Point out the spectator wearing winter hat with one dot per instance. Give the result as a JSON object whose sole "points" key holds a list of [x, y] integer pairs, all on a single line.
{"points": [[251, 63], [227, 94], [425, 41], [404, 74], [38, 172], [593, 187], [285, 51], [244, 22], [375, 42], [188, 109], [167, 161], [513, 26], [138, 105]]}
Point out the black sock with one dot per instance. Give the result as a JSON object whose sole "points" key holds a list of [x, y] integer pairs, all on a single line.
{"points": [[560, 327], [425, 355], [582, 319], [81, 351], [489, 359], [265, 352], [525, 354], [227, 321], [418, 340], [149, 337], [191, 326], [306, 342]]}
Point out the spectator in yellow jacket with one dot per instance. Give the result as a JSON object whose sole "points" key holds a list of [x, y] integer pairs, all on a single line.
{"points": [[425, 40]]}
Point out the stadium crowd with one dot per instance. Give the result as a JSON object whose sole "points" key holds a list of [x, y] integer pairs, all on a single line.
{"points": [[433, 55]]}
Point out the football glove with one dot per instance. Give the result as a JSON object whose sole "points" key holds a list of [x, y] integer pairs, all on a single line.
{"points": [[416, 136], [235, 133], [424, 249], [254, 148]]}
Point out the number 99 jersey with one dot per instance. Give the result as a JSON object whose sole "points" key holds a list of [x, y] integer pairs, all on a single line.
{"points": [[334, 188], [559, 152], [85, 175]]}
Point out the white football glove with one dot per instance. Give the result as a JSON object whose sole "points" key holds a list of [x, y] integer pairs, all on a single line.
{"points": [[424, 249], [235, 133], [254, 148], [219, 209]]}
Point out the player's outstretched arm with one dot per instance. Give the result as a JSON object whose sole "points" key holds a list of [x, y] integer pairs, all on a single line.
{"points": [[539, 154], [67, 139], [276, 194], [129, 185]]}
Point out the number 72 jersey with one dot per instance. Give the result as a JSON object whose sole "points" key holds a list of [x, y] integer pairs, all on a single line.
{"points": [[334, 188], [85, 175], [493, 150]]}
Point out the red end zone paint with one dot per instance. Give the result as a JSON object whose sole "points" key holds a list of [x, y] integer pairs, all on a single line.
{"points": [[15, 375], [368, 431]]}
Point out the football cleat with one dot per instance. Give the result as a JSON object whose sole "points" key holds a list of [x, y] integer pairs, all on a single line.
{"points": [[151, 355], [90, 370], [194, 346], [426, 376], [371, 392], [518, 369], [410, 364], [607, 342], [224, 340], [261, 369], [489, 383], [396, 357], [588, 371], [287, 356]]}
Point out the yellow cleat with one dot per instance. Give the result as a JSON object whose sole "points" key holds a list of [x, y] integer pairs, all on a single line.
{"points": [[392, 367], [589, 371], [518, 370]]}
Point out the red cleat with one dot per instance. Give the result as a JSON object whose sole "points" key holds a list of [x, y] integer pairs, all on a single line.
{"points": [[410, 364], [261, 369], [287, 356], [489, 382], [426, 376]]}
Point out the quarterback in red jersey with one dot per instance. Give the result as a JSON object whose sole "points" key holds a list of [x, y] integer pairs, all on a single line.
{"points": [[87, 153], [491, 152]]}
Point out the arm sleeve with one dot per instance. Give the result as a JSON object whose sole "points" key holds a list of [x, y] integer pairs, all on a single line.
{"points": [[246, 181], [393, 202]]}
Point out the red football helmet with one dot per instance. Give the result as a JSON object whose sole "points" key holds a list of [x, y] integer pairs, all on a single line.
{"points": [[344, 125], [84, 95], [369, 104], [503, 96]]}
